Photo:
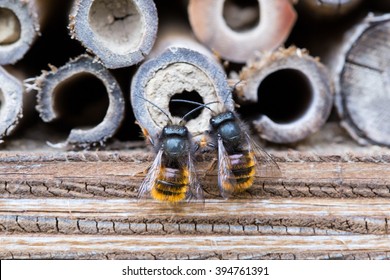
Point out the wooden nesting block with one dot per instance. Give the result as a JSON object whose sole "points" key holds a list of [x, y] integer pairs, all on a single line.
{"points": [[363, 94], [51, 85], [178, 71], [236, 30], [11, 102], [292, 93], [120, 32]]}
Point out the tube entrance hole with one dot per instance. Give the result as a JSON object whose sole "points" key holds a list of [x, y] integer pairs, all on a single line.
{"points": [[10, 29], [81, 101], [180, 109], [284, 96], [241, 15]]}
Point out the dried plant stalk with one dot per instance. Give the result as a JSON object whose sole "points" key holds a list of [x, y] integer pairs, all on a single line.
{"points": [[19, 27], [293, 92], [120, 32], [263, 27], [11, 102], [178, 67], [49, 84]]}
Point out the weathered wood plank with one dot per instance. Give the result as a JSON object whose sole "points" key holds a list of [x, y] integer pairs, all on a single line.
{"points": [[22, 246], [119, 174], [306, 216]]}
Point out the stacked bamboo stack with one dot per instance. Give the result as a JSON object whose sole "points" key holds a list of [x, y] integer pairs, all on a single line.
{"points": [[332, 198]]}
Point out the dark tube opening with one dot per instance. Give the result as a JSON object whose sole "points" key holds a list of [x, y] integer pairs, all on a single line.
{"points": [[80, 101], [284, 96], [180, 109], [241, 15]]}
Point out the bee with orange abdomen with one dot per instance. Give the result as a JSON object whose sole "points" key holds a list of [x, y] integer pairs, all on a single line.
{"points": [[172, 176], [240, 159]]}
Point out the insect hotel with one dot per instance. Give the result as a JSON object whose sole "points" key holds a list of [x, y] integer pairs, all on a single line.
{"points": [[199, 129]]}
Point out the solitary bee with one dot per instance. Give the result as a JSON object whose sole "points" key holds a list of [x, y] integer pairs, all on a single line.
{"points": [[172, 177], [240, 159]]}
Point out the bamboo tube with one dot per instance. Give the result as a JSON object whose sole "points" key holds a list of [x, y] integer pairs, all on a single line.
{"points": [[120, 32], [19, 27], [293, 92], [11, 103], [330, 9], [237, 29], [53, 92], [362, 86], [178, 67]]}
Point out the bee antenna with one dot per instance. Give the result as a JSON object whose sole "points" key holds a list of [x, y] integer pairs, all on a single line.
{"points": [[233, 88], [201, 106], [196, 103], [155, 105]]}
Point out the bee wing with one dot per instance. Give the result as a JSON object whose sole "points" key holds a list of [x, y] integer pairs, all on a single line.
{"points": [[226, 178], [151, 176], [195, 191], [265, 166]]}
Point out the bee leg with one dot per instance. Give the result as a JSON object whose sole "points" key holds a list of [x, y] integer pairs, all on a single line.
{"points": [[143, 172], [211, 167]]}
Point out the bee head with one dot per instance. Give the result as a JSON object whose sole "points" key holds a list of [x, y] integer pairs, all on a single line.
{"points": [[175, 140], [227, 126]]}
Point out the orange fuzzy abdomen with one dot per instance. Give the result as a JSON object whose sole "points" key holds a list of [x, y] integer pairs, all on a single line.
{"points": [[243, 172], [171, 184]]}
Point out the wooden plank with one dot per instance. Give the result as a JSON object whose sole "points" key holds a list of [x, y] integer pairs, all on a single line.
{"points": [[306, 216], [119, 174], [17, 246]]}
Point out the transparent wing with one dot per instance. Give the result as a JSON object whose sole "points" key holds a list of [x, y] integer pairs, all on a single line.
{"points": [[195, 190], [226, 179], [151, 176], [266, 167]]}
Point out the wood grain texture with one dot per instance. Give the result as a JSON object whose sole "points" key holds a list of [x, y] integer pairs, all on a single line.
{"points": [[67, 205], [119, 174], [259, 229], [200, 247], [363, 97], [306, 217]]}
